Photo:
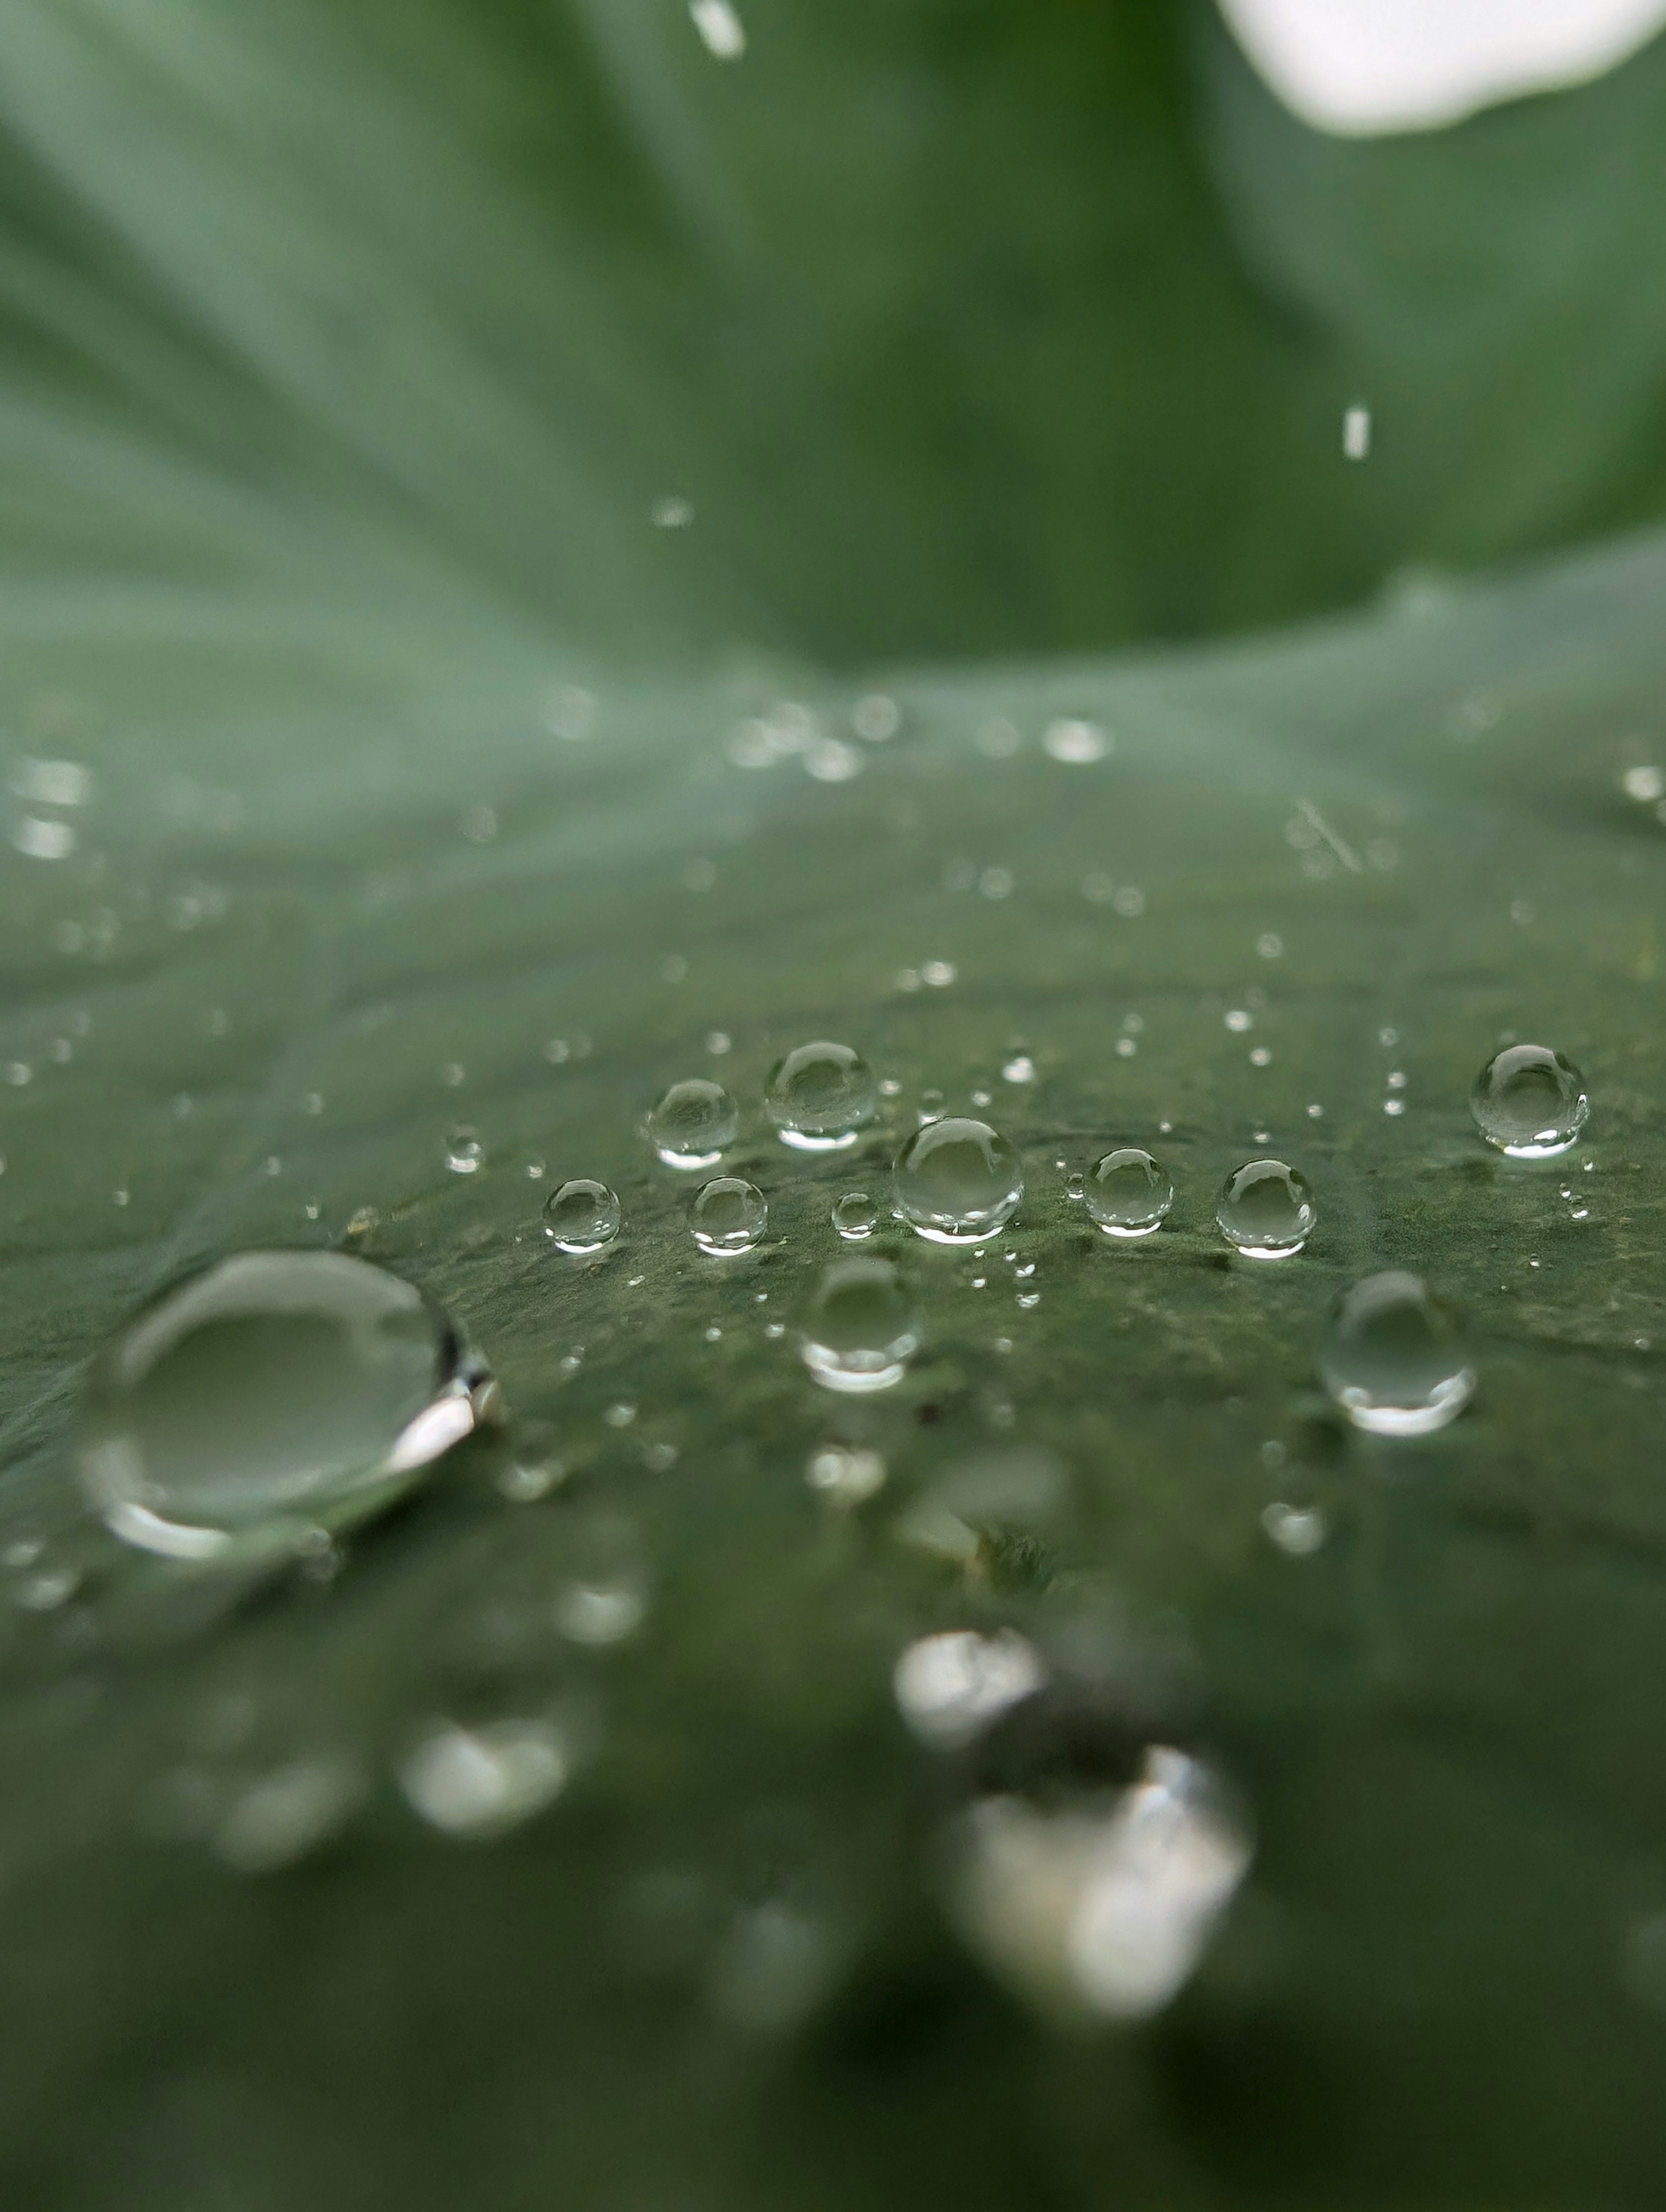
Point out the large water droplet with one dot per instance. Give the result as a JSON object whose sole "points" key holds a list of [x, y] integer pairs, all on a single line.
{"points": [[856, 1215], [1393, 1359], [693, 1124], [1530, 1101], [862, 1327], [273, 1394], [1266, 1209], [582, 1216], [728, 1216], [819, 1096], [1129, 1194], [957, 1181]]}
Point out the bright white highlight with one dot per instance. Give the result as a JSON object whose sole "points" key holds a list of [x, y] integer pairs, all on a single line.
{"points": [[1364, 68]]}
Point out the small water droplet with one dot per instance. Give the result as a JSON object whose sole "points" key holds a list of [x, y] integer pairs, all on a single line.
{"points": [[281, 1816], [693, 1124], [1130, 902], [891, 1088], [1239, 1020], [1128, 1194], [1029, 1299], [1298, 1532], [714, 1334], [582, 1216], [1394, 1106], [1645, 785], [1356, 433], [938, 974], [598, 1613], [949, 1687], [1270, 944], [861, 1328], [957, 1181], [819, 1096], [846, 1474], [721, 29], [1019, 1069], [1393, 1359], [1266, 1210], [672, 512], [480, 1783], [1260, 1057], [996, 884], [465, 1153], [876, 718], [274, 1392], [619, 1416], [728, 1216], [1075, 740], [1075, 1187], [856, 1215], [717, 1042], [1530, 1101]]}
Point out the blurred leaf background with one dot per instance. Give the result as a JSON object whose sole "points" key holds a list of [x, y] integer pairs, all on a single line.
{"points": [[1000, 353]]}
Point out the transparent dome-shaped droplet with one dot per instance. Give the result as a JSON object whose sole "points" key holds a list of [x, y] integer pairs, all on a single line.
{"points": [[693, 1124], [1392, 1357], [465, 1153], [273, 1394], [957, 1181], [856, 1215], [819, 1096], [582, 1216], [1129, 1194], [1530, 1101], [728, 1216], [1266, 1209], [862, 1327]]}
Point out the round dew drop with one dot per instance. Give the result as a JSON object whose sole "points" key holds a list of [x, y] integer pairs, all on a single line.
{"points": [[1392, 1357], [582, 1216], [862, 1327], [1530, 1101], [957, 1181], [1129, 1194], [271, 1394], [693, 1124], [819, 1096], [728, 1216], [1266, 1210], [856, 1215]]}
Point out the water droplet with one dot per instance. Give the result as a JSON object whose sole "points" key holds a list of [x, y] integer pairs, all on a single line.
{"points": [[281, 1816], [1029, 1299], [856, 1215], [957, 1181], [693, 1124], [938, 974], [582, 1216], [1129, 1194], [829, 760], [846, 1474], [670, 512], [620, 1416], [465, 1153], [949, 1687], [1019, 1069], [1260, 1057], [1270, 944], [861, 1328], [598, 1613], [1129, 901], [995, 883], [273, 1393], [1393, 1359], [876, 718], [819, 1096], [1075, 1187], [480, 1783], [1356, 433], [1088, 1901], [1530, 1101], [728, 1216], [1294, 1530], [1238, 1020], [1075, 740], [717, 1042], [1645, 785], [1266, 1209], [721, 29]]}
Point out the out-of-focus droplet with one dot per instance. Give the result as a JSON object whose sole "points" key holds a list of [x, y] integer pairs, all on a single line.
{"points": [[1295, 1530], [876, 718], [819, 1096], [693, 1124], [845, 1475], [721, 29], [465, 1153], [1021, 1068], [856, 1215], [477, 1783], [1129, 1194], [861, 1328], [284, 1814], [582, 1216], [1393, 1359], [957, 1181], [949, 1687], [1530, 1101], [728, 1216], [1266, 1210], [1075, 740], [273, 1394]]}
